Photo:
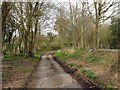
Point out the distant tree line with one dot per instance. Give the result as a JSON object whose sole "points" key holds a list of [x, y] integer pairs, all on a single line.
{"points": [[80, 25]]}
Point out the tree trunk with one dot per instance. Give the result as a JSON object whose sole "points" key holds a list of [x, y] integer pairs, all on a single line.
{"points": [[96, 43]]}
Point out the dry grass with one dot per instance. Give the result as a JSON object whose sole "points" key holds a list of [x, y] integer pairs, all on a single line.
{"points": [[103, 63]]}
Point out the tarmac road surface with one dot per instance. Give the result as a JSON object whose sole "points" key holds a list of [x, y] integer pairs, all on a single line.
{"points": [[49, 74]]}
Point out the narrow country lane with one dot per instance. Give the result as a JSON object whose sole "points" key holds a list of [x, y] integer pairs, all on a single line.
{"points": [[50, 75]]}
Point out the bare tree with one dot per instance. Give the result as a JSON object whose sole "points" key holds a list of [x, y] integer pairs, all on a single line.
{"points": [[20, 24], [98, 16], [6, 7]]}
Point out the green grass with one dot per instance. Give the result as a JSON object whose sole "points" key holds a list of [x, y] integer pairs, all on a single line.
{"points": [[37, 55], [93, 59], [77, 54], [13, 58], [74, 56], [75, 65], [61, 55], [8, 55], [100, 58], [89, 74]]}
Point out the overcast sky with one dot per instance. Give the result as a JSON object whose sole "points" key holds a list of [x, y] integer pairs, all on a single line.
{"points": [[55, 1]]}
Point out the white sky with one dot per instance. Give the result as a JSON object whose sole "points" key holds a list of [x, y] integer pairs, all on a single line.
{"points": [[64, 0], [73, 1]]}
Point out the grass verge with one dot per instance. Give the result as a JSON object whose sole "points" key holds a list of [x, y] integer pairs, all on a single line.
{"points": [[104, 59], [16, 69]]}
